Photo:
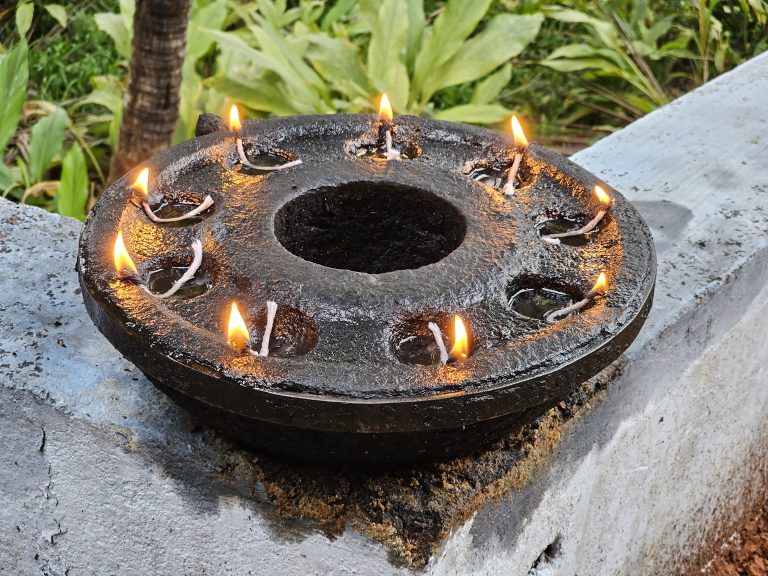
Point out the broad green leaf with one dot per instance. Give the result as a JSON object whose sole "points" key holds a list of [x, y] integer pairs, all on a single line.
{"points": [[386, 50], [261, 96], [45, 142], [114, 25], [573, 51], [211, 17], [504, 37], [604, 30], [456, 22], [58, 13], [14, 74], [475, 113], [302, 97], [340, 8], [289, 61], [24, 13], [415, 30], [491, 87], [72, 195], [337, 61], [576, 64], [6, 178]]}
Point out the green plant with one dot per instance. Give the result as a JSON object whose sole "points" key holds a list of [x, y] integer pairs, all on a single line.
{"points": [[303, 61], [38, 156]]}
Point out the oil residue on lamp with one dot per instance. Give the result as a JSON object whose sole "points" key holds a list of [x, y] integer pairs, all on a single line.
{"points": [[235, 126], [237, 332], [605, 204], [141, 186], [521, 143], [124, 265], [460, 349], [601, 284], [385, 117]]}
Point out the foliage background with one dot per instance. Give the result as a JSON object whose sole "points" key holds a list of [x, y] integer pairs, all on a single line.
{"points": [[576, 69]]}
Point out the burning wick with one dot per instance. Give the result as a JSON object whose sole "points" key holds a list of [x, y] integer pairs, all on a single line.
{"points": [[237, 331], [460, 349], [521, 144], [271, 311], [197, 259], [234, 126], [142, 186], [599, 288], [386, 116], [605, 202], [124, 265]]}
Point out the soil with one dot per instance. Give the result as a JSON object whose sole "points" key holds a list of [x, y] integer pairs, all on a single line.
{"points": [[745, 552]]}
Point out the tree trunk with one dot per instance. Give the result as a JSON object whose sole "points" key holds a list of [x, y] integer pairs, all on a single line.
{"points": [[151, 105]]}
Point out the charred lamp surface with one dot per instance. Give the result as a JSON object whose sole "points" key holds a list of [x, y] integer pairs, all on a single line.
{"points": [[361, 254]]}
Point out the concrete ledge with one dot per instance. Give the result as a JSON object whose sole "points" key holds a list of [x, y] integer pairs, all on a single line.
{"points": [[100, 473]]}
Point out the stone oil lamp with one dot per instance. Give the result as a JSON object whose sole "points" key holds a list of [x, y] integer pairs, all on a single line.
{"points": [[521, 144], [141, 189], [271, 161], [362, 259]]}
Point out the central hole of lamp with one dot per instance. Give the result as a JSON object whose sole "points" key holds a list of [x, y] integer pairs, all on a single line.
{"points": [[371, 227]]}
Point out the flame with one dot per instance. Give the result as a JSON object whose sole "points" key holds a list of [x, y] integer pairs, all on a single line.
{"points": [[600, 285], [460, 348], [517, 131], [385, 109], [234, 119], [142, 182], [123, 262], [237, 331], [602, 196]]}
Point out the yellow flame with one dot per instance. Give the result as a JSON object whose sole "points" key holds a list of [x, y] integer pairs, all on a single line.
{"points": [[517, 131], [460, 348], [602, 196], [600, 285], [237, 332], [142, 182], [123, 262], [385, 109], [234, 119]]}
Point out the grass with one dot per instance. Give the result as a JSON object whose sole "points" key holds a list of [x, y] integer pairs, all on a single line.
{"points": [[63, 61]]}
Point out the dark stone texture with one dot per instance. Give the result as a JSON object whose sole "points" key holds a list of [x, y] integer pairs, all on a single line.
{"points": [[348, 397]]}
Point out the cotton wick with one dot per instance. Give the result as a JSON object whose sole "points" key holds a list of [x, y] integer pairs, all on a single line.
{"points": [[435, 329], [521, 145], [245, 162], [271, 311], [197, 259], [597, 290], [204, 205], [606, 203], [385, 117], [391, 153], [141, 186]]}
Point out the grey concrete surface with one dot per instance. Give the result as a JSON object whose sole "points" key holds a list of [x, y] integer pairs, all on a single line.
{"points": [[101, 474]]}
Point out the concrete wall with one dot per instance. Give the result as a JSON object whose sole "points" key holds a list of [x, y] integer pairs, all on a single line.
{"points": [[101, 474]]}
